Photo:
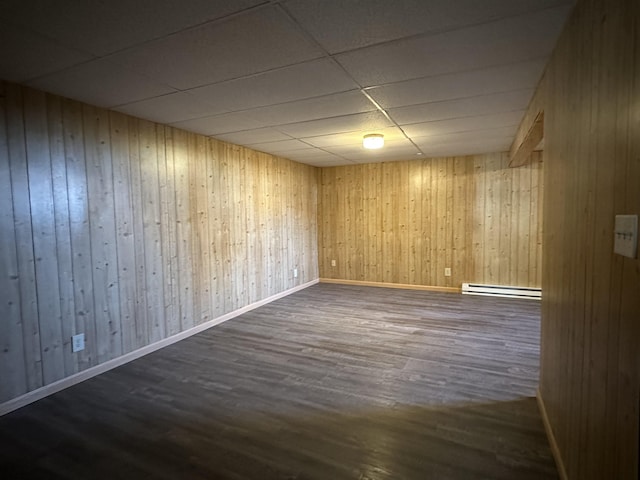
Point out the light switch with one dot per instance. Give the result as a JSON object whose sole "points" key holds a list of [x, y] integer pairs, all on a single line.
{"points": [[626, 236]]}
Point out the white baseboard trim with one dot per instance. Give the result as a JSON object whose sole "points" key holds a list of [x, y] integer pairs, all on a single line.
{"points": [[54, 387], [551, 437], [405, 286]]}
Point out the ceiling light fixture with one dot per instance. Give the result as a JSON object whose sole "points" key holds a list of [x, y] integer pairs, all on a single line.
{"points": [[373, 141]]}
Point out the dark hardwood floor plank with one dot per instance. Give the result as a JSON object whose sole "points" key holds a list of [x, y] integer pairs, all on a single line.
{"points": [[333, 382]]}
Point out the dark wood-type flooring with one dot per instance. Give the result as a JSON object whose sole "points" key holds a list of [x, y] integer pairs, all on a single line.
{"points": [[334, 382]]}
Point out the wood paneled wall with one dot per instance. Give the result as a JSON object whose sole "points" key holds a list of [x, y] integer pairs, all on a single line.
{"points": [[590, 372], [405, 222], [131, 231]]}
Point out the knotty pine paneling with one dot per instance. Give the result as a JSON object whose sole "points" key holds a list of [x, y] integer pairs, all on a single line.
{"points": [[590, 373], [130, 232], [405, 222]]}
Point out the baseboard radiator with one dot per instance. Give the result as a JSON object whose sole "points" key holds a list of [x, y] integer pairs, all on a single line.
{"points": [[501, 291]]}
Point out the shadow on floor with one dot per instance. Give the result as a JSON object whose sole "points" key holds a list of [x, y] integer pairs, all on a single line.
{"points": [[65, 437]]}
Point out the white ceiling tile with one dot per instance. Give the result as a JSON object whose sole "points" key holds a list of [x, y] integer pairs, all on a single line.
{"points": [[100, 83], [260, 40], [464, 107], [361, 122], [304, 80], [248, 73], [504, 41], [353, 138], [464, 124], [467, 148], [346, 25], [329, 161], [281, 147], [260, 135], [384, 156], [390, 146], [488, 134], [170, 108], [332, 106], [102, 27], [505, 78], [220, 124], [310, 154], [25, 55], [335, 105]]}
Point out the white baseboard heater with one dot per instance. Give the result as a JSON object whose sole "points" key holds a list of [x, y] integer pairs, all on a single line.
{"points": [[501, 291]]}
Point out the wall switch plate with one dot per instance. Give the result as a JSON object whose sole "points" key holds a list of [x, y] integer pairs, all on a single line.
{"points": [[626, 236], [77, 342], [295, 273], [333, 263], [447, 272]]}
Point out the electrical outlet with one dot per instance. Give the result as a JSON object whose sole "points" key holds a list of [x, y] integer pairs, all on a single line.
{"points": [[333, 263], [295, 273], [447, 272], [77, 342], [626, 235]]}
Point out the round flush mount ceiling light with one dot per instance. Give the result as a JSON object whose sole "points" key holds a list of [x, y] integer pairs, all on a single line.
{"points": [[373, 141]]}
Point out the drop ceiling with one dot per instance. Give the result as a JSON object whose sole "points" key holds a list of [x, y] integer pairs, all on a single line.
{"points": [[302, 79]]}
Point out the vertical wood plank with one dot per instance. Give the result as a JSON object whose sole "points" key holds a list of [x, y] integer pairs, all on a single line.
{"points": [[459, 221], [103, 233], [253, 235], [402, 215], [265, 224], [448, 221], [137, 204], [240, 209], [523, 215], [479, 219], [535, 222], [125, 235], [64, 252], [202, 253], [436, 206], [12, 352], [44, 234], [427, 222], [167, 197], [440, 214], [415, 223], [80, 232], [24, 236], [216, 229], [493, 206], [504, 243], [151, 217], [183, 228], [226, 218]]}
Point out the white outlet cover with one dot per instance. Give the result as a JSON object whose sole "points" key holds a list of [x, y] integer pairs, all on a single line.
{"points": [[77, 342], [626, 235]]}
